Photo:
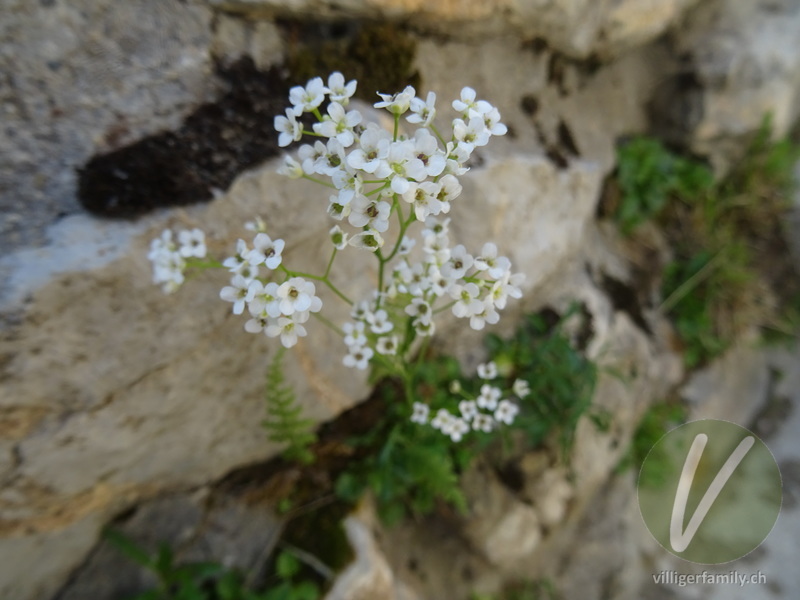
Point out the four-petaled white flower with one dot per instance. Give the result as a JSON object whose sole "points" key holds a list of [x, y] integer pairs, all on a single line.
{"points": [[297, 295], [236, 292], [192, 243], [306, 99], [339, 124], [521, 388], [287, 329], [397, 103], [266, 251], [288, 127], [421, 412], [487, 370], [423, 110], [358, 357], [506, 411], [488, 397], [338, 90]]}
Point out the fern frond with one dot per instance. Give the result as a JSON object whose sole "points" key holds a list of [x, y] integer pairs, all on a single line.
{"points": [[284, 423]]}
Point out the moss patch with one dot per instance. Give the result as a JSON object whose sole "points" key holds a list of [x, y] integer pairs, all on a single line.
{"points": [[213, 145], [379, 55]]}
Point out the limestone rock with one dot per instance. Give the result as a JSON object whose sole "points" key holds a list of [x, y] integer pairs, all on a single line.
{"points": [[746, 61], [579, 28], [83, 77]]}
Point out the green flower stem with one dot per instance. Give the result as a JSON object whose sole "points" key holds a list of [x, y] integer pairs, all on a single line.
{"points": [[204, 264], [312, 133], [396, 126], [330, 263], [445, 307], [376, 190], [319, 181], [317, 114], [437, 134]]}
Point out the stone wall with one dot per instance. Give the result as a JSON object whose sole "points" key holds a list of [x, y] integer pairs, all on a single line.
{"points": [[113, 394]]}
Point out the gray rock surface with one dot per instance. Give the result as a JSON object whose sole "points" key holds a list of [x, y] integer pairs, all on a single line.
{"points": [[82, 77]]}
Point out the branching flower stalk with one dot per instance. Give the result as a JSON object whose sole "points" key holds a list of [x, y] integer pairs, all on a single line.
{"points": [[380, 181]]}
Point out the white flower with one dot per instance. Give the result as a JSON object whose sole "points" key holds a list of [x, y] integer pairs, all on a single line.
{"points": [[297, 295], [257, 224], [482, 422], [468, 409], [236, 292], [387, 345], [360, 310], [424, 328], [441, 419], [354, 334], [521, 388], [459, 263], [456, 428], [369, 240], [338, 124], [488, 370], [193, 243], [457, 155], [487, 315], [312, 157], [291, 168], [489, 261], [258, 324], [450, 189], [423, 110], [358, 357], [309, 97], [266, 251], [506, 411], [373, 150], [398, 103], [379, 322], [436, 227], [466, 296], [424, 198], [421, 310], [488, 397], [288, 127], [421, 412], [399, 154], [406, 244], [370, 212], [263, 299], [287, 329], [338, 237], [505, 287], [440, 284], [428, 160], [491, 120], [466, 102], [455, 386], [472, 132], [336, 209], [338, 90]]}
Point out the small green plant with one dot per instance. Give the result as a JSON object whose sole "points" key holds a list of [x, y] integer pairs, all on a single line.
{"points": [[658, 420], [731, 269], [210, 580], [409, 468], [649, 175], [284, 422]]}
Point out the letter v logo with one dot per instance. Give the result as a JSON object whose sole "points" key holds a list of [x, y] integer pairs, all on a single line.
{"points": [[678, 539]]}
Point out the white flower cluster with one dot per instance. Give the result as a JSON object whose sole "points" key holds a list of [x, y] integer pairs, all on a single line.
{"points": [[483, 413], [370, 167], [169, 257], [378, 174], [275, 309]]}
